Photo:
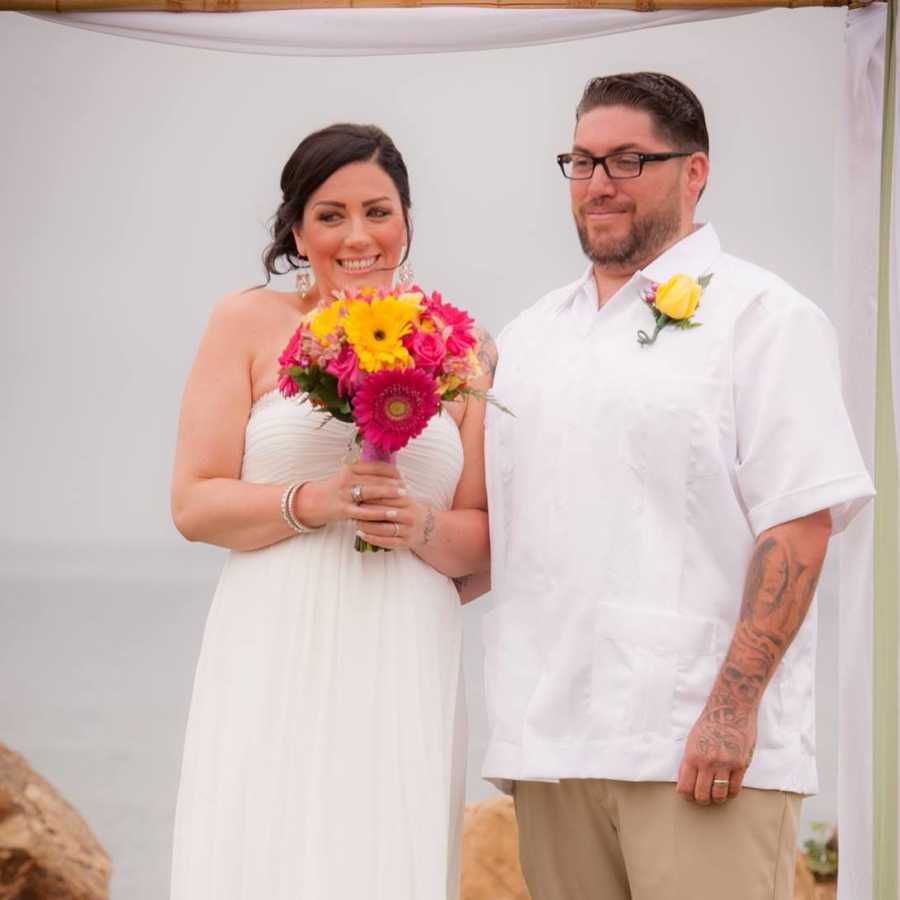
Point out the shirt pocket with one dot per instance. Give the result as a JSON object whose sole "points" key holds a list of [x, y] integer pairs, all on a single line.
{"points": [[785, 713], [638, 655], [670, 423], [693, 681], [669, 445]]}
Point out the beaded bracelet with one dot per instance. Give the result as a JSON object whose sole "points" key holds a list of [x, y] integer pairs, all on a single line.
{"points": [[287, 509]]}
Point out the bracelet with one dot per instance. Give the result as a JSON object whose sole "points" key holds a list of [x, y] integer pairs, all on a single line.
{"points": [[287, 509]]}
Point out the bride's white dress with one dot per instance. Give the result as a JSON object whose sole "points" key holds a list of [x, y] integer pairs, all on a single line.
{"points": [[325, 748]]}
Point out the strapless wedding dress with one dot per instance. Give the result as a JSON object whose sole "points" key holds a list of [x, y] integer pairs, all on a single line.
{"points": [[325, 749]]}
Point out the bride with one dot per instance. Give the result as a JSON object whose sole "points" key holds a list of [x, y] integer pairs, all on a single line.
{"points": [[324, 755]]}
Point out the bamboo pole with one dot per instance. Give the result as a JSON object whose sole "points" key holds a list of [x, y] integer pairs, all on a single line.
{"points": [[218, 6], [885, 694]]}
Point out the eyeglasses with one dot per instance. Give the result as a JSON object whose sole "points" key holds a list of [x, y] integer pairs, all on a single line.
{"points": [[580, 166]]}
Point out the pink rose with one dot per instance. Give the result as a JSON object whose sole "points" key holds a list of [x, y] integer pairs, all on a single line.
{"points": [[427, 348], [345, 367]]}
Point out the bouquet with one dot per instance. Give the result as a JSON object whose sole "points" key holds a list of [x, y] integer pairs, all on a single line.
{"points": [[383, 361]]}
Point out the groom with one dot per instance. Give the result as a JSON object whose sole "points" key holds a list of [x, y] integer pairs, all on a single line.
{"points": [[660, 508]]}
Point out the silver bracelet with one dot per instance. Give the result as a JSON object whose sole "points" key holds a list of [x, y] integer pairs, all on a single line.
{"points": [[287, 509]]}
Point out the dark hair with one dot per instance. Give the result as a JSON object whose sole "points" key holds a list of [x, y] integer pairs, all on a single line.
{"points": [[316, 159], [674, 108]]}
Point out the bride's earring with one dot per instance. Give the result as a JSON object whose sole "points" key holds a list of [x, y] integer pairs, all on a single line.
{"points": [[304, 282], [405, 275]]}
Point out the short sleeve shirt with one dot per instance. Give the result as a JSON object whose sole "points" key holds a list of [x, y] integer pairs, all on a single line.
{"points": [[626, 494]]}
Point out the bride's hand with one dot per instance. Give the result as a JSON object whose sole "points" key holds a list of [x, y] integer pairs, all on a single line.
{"points": [[396, 524], [332, 499]]}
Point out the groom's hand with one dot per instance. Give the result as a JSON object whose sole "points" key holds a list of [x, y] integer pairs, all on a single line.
{"points": [[718, 751], [779, 587]]}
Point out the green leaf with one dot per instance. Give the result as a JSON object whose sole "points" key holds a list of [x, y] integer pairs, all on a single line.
{"points": [[705, 279], [487, 396], [326, 390]]}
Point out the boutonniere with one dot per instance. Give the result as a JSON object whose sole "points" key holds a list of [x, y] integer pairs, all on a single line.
{"points": [[674, 302]]}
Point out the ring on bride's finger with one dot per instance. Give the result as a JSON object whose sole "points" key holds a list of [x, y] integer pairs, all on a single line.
{"points": [[721, 782], [356, 493], [396, 529]]}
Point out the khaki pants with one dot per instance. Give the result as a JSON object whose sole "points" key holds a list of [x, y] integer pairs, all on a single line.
{"points": [[620, 840]]}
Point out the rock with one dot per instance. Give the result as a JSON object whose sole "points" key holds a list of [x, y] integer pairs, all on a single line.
{"points": [[490, 868], [826, 890], [804, 883], [47, 851]]}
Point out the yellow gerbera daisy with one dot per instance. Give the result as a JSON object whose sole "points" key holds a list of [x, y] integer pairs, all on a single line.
{"points": [[325, 321], [414, 299], [376, 330]]}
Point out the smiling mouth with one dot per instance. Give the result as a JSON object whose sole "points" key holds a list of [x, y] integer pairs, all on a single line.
{"points": [[357, 265]]}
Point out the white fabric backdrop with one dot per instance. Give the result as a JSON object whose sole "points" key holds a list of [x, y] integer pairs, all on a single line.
{"points": [[374, 32], [360, 32], [857, 192], [895, 286]]}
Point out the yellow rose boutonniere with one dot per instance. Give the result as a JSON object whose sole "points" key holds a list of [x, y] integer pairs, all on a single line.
{"points": [[674, 302]]}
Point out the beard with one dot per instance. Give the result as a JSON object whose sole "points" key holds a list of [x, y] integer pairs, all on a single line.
{"points": [[644, 242]]}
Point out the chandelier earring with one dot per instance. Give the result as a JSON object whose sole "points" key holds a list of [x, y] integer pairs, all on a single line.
{"points": [[304, 281], [405, 275]]}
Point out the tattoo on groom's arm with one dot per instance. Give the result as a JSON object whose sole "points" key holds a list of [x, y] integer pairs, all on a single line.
{"points": [[487, 353], [779, 588]]}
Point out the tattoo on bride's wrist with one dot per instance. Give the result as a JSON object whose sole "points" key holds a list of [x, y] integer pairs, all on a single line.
{"points": [[428, 528]]}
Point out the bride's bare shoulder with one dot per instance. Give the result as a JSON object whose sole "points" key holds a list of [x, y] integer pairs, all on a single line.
{"points": [[252, 311]]}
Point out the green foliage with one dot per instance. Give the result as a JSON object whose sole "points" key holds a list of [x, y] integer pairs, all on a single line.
{"points": [[323, 387], [821, 852]]}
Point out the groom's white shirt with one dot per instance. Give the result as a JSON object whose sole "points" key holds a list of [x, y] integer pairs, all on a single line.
{"points": [[625, 497]]}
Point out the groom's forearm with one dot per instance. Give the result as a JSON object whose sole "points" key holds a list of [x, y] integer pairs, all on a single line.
{"points": [[778, 590]]}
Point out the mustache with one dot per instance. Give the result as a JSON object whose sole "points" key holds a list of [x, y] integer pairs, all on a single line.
{"points": [[602, 207]]}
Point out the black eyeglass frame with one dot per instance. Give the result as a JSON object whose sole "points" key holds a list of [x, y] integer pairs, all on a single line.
{"points": [[564, 158]]}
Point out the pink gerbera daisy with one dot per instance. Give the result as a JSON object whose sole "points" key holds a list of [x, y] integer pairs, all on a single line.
{"points": [[290, 356], [393, 406], [457, 327], [287, 386]]}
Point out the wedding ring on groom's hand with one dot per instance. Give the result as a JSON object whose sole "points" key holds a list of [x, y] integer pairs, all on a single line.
{"points": [[721, 782], [356, 493], [396, 529]]}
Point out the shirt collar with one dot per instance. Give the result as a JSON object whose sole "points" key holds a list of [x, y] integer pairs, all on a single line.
{"points": [[583, 285], [692, 255]]}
